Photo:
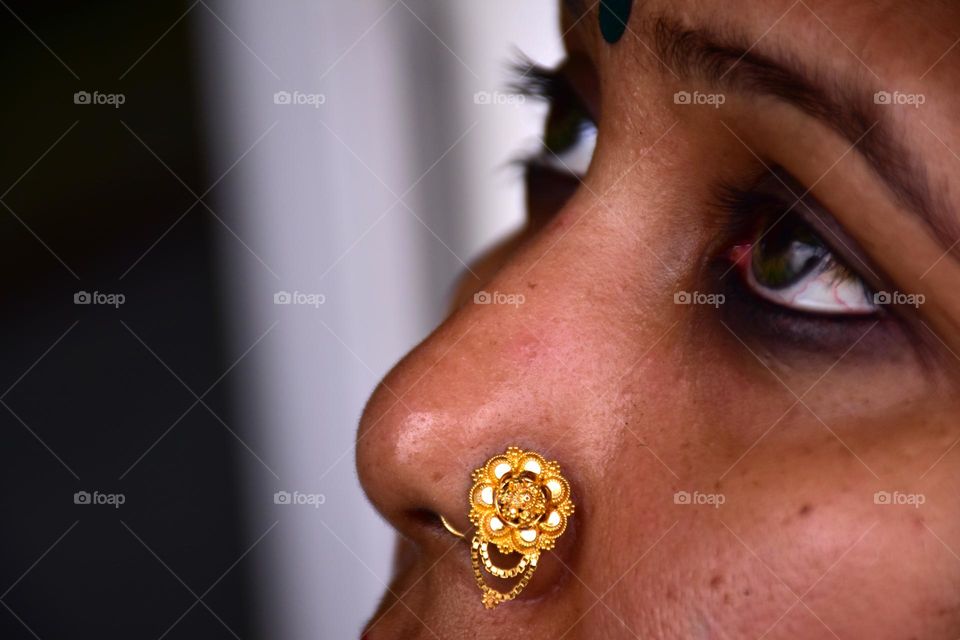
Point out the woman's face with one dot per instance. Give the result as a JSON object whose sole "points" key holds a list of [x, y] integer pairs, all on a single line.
{"points": [[759, 445]]}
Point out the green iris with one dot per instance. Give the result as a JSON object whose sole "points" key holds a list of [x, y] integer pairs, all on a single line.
{"points": [[787, 252], [564, 127]]}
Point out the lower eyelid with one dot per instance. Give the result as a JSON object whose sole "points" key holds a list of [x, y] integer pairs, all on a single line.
{"points": [[781, 328]]}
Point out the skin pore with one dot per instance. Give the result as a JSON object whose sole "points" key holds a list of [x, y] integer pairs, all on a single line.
{"points": [[725, 458]]}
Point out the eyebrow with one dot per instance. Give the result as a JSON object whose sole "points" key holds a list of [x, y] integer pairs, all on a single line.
{"points": [[845, 105]]}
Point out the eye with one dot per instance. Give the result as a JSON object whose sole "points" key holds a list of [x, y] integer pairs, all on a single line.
{"points": [[554, 172], [781, 256], [569, 142], [788, 264]]}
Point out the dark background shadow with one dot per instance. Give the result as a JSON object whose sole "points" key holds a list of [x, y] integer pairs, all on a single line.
{"points": [[99, 398]]}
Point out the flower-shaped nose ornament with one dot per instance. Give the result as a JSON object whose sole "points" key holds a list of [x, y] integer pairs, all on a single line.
{"points": [[520, 503]]}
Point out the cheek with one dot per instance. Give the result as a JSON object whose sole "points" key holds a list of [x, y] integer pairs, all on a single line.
{"points": [[798, 545], [800, 548], [899, 580]]}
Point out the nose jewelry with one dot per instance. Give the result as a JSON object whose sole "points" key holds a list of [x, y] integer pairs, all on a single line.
{"points": [[449, 527], [519, 503]]}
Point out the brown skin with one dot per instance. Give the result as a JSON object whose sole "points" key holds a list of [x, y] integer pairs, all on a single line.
{"points": [[639, 398]]}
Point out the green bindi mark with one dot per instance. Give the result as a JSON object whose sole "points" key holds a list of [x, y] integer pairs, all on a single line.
{"points": [[614, 16]]}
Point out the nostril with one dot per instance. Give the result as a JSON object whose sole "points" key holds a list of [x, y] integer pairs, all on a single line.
{"points": [[438, 524], [424, 518]]}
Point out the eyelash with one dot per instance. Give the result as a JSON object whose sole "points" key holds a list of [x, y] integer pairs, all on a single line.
{"points": [[536, 81], [552, 87]]}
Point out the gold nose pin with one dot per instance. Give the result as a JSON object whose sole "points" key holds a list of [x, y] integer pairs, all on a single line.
{"points": [[520, 503]]}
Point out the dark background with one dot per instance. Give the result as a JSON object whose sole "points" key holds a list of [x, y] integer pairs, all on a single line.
{"points": [[97, 398]]}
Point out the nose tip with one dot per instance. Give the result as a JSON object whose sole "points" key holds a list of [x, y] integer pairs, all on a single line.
{"points": [[409, 467], [438, 413]]}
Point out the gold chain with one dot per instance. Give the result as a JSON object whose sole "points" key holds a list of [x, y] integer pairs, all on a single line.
{"points": [[492, 597], [497, 571]]}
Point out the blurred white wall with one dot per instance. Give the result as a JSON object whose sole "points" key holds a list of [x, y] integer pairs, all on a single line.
{"points": [[372, 199]]}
